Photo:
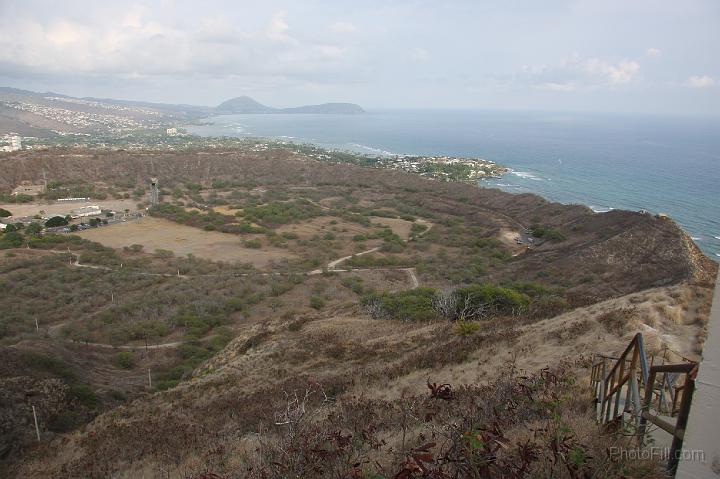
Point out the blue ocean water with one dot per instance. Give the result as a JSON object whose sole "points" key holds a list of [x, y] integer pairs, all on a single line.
{"points": [[661, 164]]}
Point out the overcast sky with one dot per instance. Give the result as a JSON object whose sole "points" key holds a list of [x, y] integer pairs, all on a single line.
{"points": [[602, 55]]}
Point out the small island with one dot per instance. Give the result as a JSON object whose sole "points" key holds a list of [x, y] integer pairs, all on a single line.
{"points": [[247, 105]]}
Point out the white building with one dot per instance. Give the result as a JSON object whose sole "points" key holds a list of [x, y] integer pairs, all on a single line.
{"points": [[92, 210], [171, 131], [14, 143]]}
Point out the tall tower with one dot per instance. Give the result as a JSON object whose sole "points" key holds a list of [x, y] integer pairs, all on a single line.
{"points": [[15, 143], [154, 194]]}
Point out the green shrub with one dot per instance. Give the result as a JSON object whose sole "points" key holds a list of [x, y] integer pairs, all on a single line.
{"points": [[165, 384], [466, 328], [547, 233], [124, 360], [418, 228], [411, 305], [4, 213], [477, 300], [85, 395], [11, 239], [49, 364], [316, 302], [56, 221], [253, 243], [280, 212]]}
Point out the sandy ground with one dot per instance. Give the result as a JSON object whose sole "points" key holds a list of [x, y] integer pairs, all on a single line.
{"points": [[223, 210], [321, 225], [507, 237], [156, 233], [399, 227], [32, 209]]}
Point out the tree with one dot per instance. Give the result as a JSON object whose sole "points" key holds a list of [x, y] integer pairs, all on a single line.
{"points": [[4, 213], [56, 221], [34, 229], [125, 360], [11, 239]]}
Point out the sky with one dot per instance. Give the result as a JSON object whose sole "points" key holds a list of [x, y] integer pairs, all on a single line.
{"points": [[646, 56]]}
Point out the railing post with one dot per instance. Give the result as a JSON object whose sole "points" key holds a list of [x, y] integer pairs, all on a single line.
{"points": [[616, 407], [637, 407], [649, 386], [676, 447], [607, 399], [603, 391]]}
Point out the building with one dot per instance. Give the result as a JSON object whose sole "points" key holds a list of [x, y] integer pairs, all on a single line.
{"points": [[14, 143], [3, 226], [171, 131], [92, 210], [27, 188]]}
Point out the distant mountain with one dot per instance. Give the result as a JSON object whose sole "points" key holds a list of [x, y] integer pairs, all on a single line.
{"points": [[243, 104], [30, 113], [247, 105]]}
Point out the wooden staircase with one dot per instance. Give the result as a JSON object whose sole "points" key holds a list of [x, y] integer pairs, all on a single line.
{"points": [[630, 393]]}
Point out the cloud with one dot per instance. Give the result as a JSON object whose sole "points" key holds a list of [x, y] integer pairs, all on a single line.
{"points": [[561, 87], [576, 73], [419, 55], [700, 81], [343, 27], [653, 52], [331, 51], [613, 74], [277, 30], [142, 45]]}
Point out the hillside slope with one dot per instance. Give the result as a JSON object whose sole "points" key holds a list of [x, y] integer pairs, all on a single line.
{"points": [[299, 380], [616, 252]]}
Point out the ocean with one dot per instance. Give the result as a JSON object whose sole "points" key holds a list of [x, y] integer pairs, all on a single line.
{"points": [[606, 161]]}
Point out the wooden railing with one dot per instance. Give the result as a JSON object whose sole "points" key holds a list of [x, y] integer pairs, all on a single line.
{"points": [[645, 399]]}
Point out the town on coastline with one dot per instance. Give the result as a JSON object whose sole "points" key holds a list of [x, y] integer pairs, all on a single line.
{"points": [[443, 168]]}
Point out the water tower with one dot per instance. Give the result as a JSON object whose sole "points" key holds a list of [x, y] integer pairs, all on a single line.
{"points": [[154, 194]]}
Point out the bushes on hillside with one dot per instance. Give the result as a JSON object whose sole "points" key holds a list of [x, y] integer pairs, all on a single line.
{"points": [[124, 360], [11, 239], [546, 233], [279, 213], [469, 303], [411, 305], [477, 301]]}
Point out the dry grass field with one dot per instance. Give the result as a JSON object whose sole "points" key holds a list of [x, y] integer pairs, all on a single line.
{"points": [[157, 233]]}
